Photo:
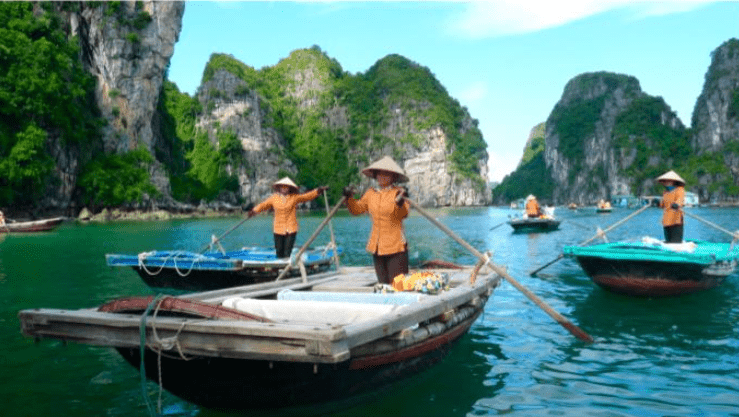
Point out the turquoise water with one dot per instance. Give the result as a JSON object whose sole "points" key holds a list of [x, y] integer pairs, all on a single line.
{"points": [[652, 357]]}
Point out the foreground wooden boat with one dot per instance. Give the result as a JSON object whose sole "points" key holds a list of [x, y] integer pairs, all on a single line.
{"points": [[535, 224], [31, 226], [653, 268], [279, 344], [192, 271]]}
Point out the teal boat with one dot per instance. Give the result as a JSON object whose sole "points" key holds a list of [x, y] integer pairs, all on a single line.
{"points": [[653, 268]]}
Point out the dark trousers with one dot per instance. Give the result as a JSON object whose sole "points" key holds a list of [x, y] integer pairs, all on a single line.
{"points": [[674, 234], [284, 244], [388, 267]]}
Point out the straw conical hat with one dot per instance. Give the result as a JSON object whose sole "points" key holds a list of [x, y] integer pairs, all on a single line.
{"points": [[530, 197], [285, 181], [386, 164], [671, 176]]}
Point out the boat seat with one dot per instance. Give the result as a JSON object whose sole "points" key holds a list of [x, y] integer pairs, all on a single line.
{"points": [[312, 312]]}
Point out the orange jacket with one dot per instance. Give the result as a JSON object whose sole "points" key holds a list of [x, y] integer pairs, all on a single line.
{"points": [[532, 208], [387, 235], [672, 217], [286, 219]]}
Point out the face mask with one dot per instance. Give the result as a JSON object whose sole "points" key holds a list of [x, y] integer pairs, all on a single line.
{"points": [[670, 187]]}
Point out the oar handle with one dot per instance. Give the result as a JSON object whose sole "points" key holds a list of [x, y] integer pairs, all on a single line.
{"points": [[313, 237], [579, 333], [331, 229]]}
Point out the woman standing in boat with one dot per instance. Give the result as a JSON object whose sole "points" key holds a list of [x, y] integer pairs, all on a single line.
{"points": [[284, 202], [673, 200], [387, 210], [532, 207]]}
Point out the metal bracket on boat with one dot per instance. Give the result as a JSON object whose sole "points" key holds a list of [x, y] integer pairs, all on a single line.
{"points": [[214, 241], [601, 233]]}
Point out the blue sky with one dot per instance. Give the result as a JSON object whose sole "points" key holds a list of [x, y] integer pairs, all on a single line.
{"points": [[507, 61]]}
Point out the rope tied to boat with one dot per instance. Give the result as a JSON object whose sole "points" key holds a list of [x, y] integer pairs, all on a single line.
{"points": [[143, 256]]}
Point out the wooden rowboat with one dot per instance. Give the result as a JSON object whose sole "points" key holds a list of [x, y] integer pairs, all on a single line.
{"points": [[652, 268], [189, 271], [280, 344], [31, 226], [534, 224]]}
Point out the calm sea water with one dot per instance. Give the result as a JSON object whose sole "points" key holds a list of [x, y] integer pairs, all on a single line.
{"points": [[652, 357]]}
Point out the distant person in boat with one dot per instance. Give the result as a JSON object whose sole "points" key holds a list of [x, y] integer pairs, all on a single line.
{"points": [[2, 219], [387, 210], [284, 202], [533, 210], [673, 201]]}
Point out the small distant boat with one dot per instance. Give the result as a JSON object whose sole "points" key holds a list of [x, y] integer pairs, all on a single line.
{"points": [[31, 226], [281, 345], [572, 206], [603, 207], [653, 268], [534, 224], [190, 271]]}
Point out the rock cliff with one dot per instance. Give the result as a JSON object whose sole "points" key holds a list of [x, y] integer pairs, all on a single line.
{"points": [[127, 47], [272, 130]]}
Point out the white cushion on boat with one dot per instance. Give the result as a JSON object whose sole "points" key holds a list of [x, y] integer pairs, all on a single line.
{"points": [[315, 312], [677, 247], [399, 298]]}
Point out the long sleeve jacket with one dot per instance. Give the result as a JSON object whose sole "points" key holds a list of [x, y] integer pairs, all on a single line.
{"points": [[285, 207], [672, 216], [387, 236]]}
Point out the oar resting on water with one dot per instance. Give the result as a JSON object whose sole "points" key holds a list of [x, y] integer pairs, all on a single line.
{"points": [[572, 328], [600, 233]]}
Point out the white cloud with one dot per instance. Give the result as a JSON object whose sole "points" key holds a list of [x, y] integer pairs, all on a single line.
{"points": [[493, 18]]}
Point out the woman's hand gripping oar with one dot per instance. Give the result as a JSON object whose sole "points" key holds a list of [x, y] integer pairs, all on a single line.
{"points": [[312, 238], [600, 233], [572, 328]]}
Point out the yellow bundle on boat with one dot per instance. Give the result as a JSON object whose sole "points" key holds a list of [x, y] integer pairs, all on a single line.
{"points": [[424, 281]]}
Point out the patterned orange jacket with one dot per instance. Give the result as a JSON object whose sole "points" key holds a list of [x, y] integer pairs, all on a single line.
{"points": [[285, 206], [387, 236], [532, 208], [672, 217]]}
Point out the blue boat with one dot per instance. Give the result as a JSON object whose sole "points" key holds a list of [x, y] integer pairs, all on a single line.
{"points": [[191, 271], [652, 268]]}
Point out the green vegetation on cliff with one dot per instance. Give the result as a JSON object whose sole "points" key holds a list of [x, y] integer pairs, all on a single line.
{"points": [[45, 99], [531, 177]]}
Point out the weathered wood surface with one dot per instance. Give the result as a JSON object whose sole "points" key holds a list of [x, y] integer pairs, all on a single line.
{"points": [[313, 342]]}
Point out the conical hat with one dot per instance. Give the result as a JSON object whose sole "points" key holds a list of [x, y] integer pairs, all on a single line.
{"points": [[530, 197], [386, 164], [285, 181], [671, 176]]}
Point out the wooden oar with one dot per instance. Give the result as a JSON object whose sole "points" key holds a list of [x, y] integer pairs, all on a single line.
{"points": [[734, 235], [572, 328], [218, 239], [312, 238], [331, 229], [497, 226], [597, 235]]}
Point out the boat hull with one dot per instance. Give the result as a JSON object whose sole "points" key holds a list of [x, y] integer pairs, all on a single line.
{"points": [[238, 384], [650, 278], [534, 225], [207, 280], [34, 226]]}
